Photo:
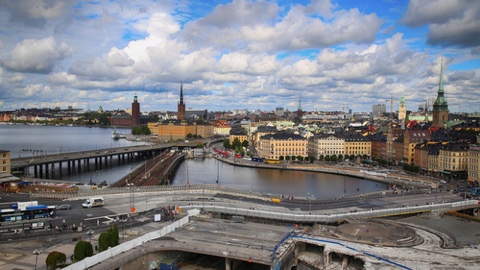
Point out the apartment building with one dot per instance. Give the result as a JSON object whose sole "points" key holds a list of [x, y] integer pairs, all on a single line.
{"points": [[453, 161], [5, 165], [326, 144], [474, 164], [274, 146]]}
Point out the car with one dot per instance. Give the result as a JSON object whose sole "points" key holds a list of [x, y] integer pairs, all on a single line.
{"points": [[64, 207]]}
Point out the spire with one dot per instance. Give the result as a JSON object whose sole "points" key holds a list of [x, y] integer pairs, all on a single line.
{"points": [[135, 98], [440, 84], [299, 103], [181, 94]]}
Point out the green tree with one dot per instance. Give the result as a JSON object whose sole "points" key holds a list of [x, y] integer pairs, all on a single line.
{"points": [[300, 158], [104, 241], [340, 157], [82, 250], [236, 143], [327, 158], [226, 144], [321, 158], [55, 260], [287, 158], [245, 144], [333, 158]]}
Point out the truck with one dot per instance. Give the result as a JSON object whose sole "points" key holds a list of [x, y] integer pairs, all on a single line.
{"points": [[93, 202]]}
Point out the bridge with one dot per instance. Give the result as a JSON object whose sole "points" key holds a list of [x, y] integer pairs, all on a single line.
{"points": [[44, 166]]}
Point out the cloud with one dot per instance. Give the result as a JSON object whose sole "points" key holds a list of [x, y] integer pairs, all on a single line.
{"points": [[36, 13], [256, 27], [450, 23], [36, 56]]}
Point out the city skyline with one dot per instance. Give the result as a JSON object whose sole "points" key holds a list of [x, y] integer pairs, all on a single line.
{"points": [[238, 54]]}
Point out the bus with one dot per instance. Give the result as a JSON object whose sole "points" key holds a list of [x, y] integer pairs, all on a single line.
{"points": [[272, 161], [26, 211], [475, 192]]}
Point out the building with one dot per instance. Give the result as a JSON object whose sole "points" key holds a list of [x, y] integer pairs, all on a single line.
{"points": [[440, 106], [260, 132], [237, 133], [379, 110], [357, 145], [322, 145], [453, 161], [181, 115], [393, 134], [474, 164], [402, 109], [173, 130], [5, 165], [379, 146], [411, 139], [132, 120], [275, 146]]}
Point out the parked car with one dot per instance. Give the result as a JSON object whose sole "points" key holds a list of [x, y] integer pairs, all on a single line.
{"points": [[64, 207]]}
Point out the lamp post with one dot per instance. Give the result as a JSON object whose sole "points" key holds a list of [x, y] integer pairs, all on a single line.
{"points": [[309, 203], [90, 233], [36, 252]]}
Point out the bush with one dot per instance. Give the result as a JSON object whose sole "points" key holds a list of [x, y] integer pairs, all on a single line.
{"points": [[104, 241], [55, 259], [82, 249]]}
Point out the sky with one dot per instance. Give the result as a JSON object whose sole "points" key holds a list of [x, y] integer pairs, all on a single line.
{"points": [[326, 55]]}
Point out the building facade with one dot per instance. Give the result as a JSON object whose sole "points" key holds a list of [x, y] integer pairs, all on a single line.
{"points": [[274, 146], [357, 145], [379, 110], [5, 164], [402, 109], [324, 144], [181, 115], [474, 164]]}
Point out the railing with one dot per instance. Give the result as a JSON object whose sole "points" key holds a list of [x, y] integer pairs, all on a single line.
{"points": [[331, 218], [127, 246]]}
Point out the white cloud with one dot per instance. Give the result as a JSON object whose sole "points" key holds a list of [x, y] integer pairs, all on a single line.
{"points": [[36, 56]]}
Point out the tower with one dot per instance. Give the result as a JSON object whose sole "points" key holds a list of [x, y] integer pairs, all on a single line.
{"points": [[402, 109], [440, 106], [135, 111], [181, 106]]}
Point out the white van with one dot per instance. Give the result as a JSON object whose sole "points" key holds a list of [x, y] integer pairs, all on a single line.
{"points": [[93, 202]]}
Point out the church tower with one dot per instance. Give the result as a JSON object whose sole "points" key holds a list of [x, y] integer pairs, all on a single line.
{"points": [[181, 106], [135, 111], [440, 106], [402, 109]]}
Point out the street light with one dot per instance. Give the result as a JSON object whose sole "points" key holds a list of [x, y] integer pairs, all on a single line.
{"points": [[145, 174], [36, 252], [90, 233], [309, 203]]}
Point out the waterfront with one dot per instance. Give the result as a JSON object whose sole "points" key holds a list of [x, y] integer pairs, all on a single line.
{"points": [[196, 171]]}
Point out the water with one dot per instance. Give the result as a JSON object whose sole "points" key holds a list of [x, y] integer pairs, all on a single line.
{"points": [[282, 182], [50, 140]]}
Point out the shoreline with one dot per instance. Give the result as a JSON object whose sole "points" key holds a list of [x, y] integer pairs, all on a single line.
{"points": [[404, 180]]}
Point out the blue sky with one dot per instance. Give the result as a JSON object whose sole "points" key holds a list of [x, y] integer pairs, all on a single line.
{"points": [[238, 54]]}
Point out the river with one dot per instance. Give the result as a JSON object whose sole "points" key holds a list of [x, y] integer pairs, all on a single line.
{"points": [[23, 140]]}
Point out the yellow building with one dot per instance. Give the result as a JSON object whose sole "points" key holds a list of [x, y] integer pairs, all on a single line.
{"points": [[274, 146], [474, 164], [5, 165], [179, 130], [453, 161], [239, 133], [357, 145], [411, 139]]}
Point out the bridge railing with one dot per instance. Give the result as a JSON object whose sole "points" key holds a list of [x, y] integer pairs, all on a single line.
{"points": [[330, 218], [87, 193]]}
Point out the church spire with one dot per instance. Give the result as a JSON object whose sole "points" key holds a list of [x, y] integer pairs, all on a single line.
{"points": [[181, 94], [440, 84]]}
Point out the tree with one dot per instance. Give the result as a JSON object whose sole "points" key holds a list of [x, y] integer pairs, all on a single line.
{"points": [[287, 158], [245, 144], [82, 250], [104, 241], [327, 158], [300, 158], [236, 143], [340, 157], [55, 259], [321, 158], [352, 158], [333, 158], [226, 144]]}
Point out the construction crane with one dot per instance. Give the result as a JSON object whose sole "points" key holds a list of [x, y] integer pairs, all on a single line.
{"points": [[391, 106]]}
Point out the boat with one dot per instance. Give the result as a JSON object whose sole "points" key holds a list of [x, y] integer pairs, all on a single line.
{"points": [[115, 135]]}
